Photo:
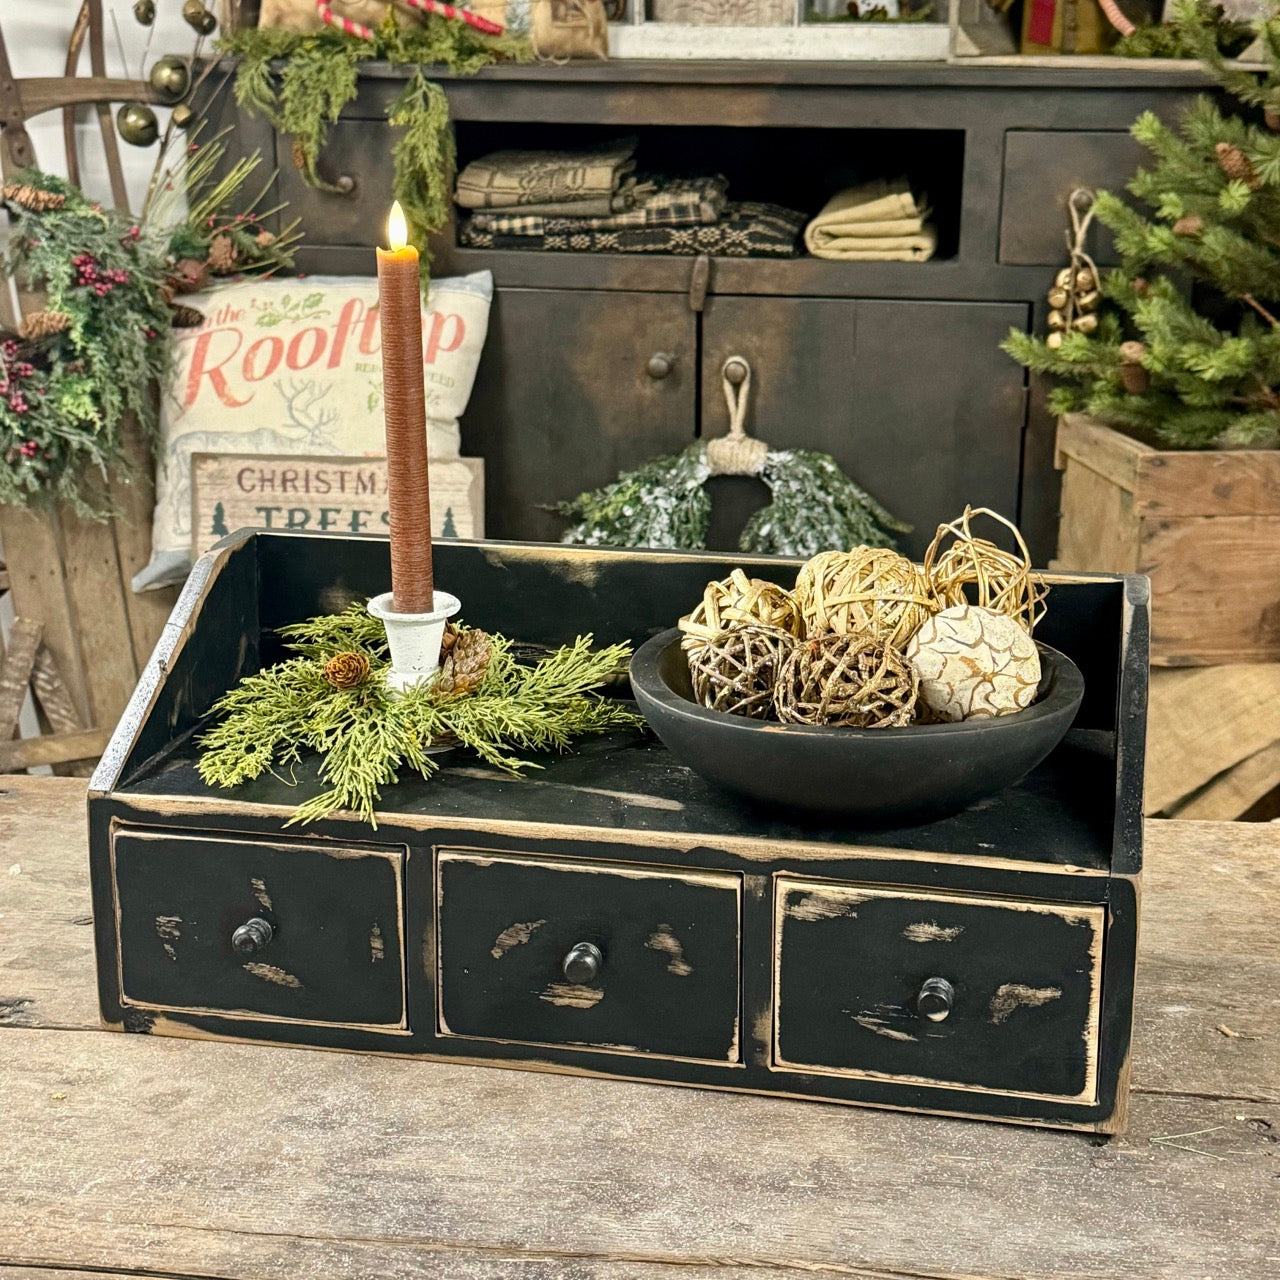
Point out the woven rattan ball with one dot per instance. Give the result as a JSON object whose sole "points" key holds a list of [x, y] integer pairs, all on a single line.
{"points": [[849, 680], [739, 601], [975, 571], [867, 591], [974, 663], [736, 671]]}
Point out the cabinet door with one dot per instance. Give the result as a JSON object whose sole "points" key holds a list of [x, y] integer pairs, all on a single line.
{"points": [[915, 400], [569, 393]]}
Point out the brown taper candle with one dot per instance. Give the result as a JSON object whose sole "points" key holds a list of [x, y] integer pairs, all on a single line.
{"points": [[405, 409]]}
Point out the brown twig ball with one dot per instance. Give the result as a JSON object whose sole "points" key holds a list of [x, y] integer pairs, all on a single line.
{"points": [[974, 570], [739, 601], [736, 671], [866, 591], [846, 680]]}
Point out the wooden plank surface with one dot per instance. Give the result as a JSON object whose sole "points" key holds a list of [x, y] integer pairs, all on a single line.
{"points": [[15, 674], [160, 1157]]}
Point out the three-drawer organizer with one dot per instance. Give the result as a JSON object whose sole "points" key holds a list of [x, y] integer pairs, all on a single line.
{"points": [[611, 913]]}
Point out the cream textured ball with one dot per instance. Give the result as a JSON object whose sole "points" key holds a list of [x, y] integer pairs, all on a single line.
{"points": [[974, 663]]}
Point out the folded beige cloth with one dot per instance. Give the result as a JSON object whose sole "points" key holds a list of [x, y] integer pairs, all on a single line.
{"points": [[878, 220], [511, 179]]}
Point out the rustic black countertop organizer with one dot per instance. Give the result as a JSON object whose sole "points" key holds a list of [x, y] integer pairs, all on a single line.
{"points": [[612, 914]]}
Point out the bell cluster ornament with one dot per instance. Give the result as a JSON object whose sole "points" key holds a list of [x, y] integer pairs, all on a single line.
{"points": [[144, 11], [137, 124], [1074, 297], [197, 17], [170, 78]]}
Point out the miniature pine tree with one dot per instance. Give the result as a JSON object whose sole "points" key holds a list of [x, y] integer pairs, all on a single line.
{"points": [[219, 521], [1188, 351], [450, 529]]}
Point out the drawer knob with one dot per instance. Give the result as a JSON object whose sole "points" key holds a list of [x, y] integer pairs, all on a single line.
{"points": [[936, 997], [583, 963], [660, 365], [252, 936]]}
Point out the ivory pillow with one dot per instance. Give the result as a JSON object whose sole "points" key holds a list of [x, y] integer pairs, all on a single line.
{"points": [[294, 366]]}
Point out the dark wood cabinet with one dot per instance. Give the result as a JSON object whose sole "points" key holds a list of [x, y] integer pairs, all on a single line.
{"points": [[566, 397], [892, 367], [914, 399]]}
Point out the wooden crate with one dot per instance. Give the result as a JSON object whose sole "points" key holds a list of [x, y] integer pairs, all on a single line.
{"points": [[1204, 525]]}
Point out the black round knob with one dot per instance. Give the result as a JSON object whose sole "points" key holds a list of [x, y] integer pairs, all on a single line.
{"points": [[660, 365], [736, 370], [583, 963], [936, 997], [252, 936]]}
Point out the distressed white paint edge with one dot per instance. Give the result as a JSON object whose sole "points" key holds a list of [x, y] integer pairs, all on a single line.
{"points": [[824, 42]]}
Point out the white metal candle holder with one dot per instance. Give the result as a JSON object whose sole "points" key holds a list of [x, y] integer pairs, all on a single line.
{"points": [[414, 638]]}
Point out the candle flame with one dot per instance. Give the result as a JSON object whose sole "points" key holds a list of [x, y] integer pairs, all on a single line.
{"points": [[397, 228]]}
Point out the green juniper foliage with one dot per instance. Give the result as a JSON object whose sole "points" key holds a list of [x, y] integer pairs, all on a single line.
{"points": [[664, 503], [1199, 285], [365, 737], [1223, 34], [318, 76]]}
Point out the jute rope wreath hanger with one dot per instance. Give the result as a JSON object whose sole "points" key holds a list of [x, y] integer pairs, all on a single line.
{"points": [[813, 505]]}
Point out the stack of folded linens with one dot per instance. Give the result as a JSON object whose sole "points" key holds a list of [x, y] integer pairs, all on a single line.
{"points": [[877, 222]]}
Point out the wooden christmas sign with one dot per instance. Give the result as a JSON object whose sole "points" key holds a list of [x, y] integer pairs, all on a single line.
{"points": [[322, 495]]}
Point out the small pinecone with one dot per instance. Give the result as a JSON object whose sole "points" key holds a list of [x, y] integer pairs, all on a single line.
{"points": [[264, 239], [1271, 116], [1142, 287], [184, 317], [43, 324], [189, 276], [34, 199], [1237, 166], [298, 154], [1135, 377], [346, 670], [1189, 225], [222, 255], [466, 664], [448, 640]]}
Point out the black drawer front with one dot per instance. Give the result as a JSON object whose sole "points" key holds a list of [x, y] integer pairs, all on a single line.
{"points": [[668, 943], [334, 954], [1018, 1011]]}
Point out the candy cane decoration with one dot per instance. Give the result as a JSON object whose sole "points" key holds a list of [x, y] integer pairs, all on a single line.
{"points": [[361, 32], [329, 18], [462, 15], [1116, 16]]}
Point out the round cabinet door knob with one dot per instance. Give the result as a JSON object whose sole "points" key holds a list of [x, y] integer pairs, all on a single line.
{"points": [[252, 936], [936, 997], [736, 370], [583, 963], [660, 365]]}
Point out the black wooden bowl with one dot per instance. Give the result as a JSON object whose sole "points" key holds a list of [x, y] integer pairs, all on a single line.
{"points": [[874, 776]]}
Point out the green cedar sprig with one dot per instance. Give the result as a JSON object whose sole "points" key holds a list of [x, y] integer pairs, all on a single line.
{"points": [[301, 83], [366, 738]]}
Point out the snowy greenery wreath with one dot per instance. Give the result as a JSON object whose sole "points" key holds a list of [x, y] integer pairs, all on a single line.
{"points": [[664, 503]]}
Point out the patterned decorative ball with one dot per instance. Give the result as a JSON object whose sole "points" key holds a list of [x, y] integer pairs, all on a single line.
{"points": [[973, 663], [739, 601], [847, 680], [867, 591], [974, 570], [736, 671]]}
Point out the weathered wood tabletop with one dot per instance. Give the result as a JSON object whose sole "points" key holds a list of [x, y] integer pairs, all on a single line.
{"points": [[140, 1156]]}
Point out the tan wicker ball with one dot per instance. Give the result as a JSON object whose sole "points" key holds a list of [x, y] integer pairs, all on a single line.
{"points": [[846, 680], [736, 602], [866, 591], [974, 570], [736, 671]]}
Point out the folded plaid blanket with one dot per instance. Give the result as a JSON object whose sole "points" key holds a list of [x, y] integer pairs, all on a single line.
{"points": [[746, 230], [669, 202], [511, 179]]}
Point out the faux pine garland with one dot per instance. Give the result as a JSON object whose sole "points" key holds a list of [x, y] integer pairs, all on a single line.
{"points": [[365, 737], [318, 75]]}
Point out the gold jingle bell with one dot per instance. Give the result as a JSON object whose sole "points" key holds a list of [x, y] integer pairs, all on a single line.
{"points": [[1075, 278], [1088, 301], [1058, 297], [1085, 324], [198, 17], [170, 78], [137, 124], [1057, 321], [144, 11], [1053, 341], [182, 116]]}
